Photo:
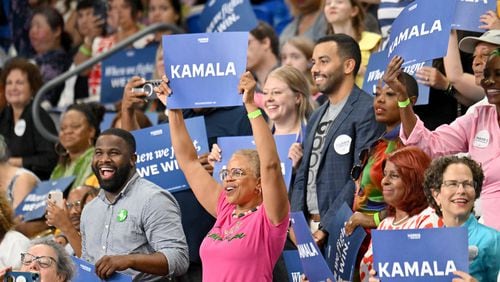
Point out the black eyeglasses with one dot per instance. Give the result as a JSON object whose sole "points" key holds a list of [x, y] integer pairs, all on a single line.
{"points": [[42, 261], [357, 169]]}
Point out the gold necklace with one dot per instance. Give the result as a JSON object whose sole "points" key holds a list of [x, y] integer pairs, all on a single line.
{"points": [[395, 223]]}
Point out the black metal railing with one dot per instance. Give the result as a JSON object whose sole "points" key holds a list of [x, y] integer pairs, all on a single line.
{"points": [[87, 64]]}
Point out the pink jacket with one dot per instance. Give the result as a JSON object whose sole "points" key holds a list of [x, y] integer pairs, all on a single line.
{"points": [[477, 134]]}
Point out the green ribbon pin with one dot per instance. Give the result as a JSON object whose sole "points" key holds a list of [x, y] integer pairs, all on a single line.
{"points": [[122, 215]]}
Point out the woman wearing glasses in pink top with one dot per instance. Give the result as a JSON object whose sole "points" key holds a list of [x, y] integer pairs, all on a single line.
{"points": [[250, 206]]}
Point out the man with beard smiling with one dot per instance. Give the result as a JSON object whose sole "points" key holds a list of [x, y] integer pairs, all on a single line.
{"points": [[133, 225], [336, 134]]}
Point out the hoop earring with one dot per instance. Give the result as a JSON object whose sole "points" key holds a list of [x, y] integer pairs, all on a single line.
{"points": [[60, 150]]}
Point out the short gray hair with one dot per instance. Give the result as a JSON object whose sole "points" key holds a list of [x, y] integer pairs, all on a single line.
{"points": [[65, 265], [253, 159]]}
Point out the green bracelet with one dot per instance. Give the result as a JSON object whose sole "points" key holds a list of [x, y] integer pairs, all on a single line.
{"points": [[376, 218], [85, 51], [254, 114], [404, 104]]}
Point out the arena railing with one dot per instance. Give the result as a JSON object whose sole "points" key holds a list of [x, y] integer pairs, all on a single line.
{"points": [[87, 64]]}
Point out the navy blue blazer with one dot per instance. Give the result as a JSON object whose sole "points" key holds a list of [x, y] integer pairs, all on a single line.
{"points": [[354, 129]]}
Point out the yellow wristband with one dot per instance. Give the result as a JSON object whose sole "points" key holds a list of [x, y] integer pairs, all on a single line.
{"points": [[404, 104], [254, 114], [85, 51], [376, 218]]}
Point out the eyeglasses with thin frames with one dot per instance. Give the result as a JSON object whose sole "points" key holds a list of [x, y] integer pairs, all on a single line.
{"points": [[454, 184], [234, 173], [42, 261], [76, 204]]}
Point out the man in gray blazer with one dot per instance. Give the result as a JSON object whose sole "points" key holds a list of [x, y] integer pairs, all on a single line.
{"points": [[336, 134]]}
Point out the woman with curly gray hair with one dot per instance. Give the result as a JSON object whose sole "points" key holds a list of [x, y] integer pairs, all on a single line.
{"points": [[47, 258], [452, 184]]}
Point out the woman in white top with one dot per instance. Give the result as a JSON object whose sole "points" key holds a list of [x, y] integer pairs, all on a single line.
{"points": [[12, 243]]}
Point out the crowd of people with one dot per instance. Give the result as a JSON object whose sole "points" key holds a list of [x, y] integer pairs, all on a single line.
{"points": [[398, 165]]}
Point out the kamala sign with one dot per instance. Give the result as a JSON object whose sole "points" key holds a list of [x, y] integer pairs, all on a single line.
{"points": [[429, 255], [421, 24], [208, 75]]}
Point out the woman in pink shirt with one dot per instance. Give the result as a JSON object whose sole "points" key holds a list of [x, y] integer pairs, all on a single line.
{"points": [[250, 206], [477, 134]]}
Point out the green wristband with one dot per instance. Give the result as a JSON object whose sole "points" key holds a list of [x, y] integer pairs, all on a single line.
{"points": [[404, 104], [254, 114], [85, 51], [376, 218]]}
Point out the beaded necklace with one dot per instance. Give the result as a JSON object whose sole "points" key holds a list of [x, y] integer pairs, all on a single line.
{"points": [[242, 214]]}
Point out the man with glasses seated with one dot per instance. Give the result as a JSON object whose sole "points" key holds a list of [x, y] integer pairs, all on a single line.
{"points": [[68, 220], [48, 259]]}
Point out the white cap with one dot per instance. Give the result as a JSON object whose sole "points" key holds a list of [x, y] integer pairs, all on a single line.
{"points": [[467, 44]]}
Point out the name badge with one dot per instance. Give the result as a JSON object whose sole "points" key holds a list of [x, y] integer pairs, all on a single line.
{"points": [[482, 139], [20, 127], [342, 144]]}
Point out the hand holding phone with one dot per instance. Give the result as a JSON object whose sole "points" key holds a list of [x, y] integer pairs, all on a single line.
{"points": [[56, 197], [21, 277]]}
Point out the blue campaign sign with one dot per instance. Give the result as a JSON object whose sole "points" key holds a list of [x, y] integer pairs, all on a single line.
{"points": [[430, 254], [313, 263], [376, 67], [227, 15], [420, 25], [34, 205], [229, 145], [107, 120], [120, 67], [85, 272], [155, 155], [341, 250], [208, 75], [468, 12], [153, 117], [293, 265]]}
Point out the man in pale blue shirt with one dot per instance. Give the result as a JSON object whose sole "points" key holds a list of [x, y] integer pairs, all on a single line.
{"points": [[133, 226]]}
